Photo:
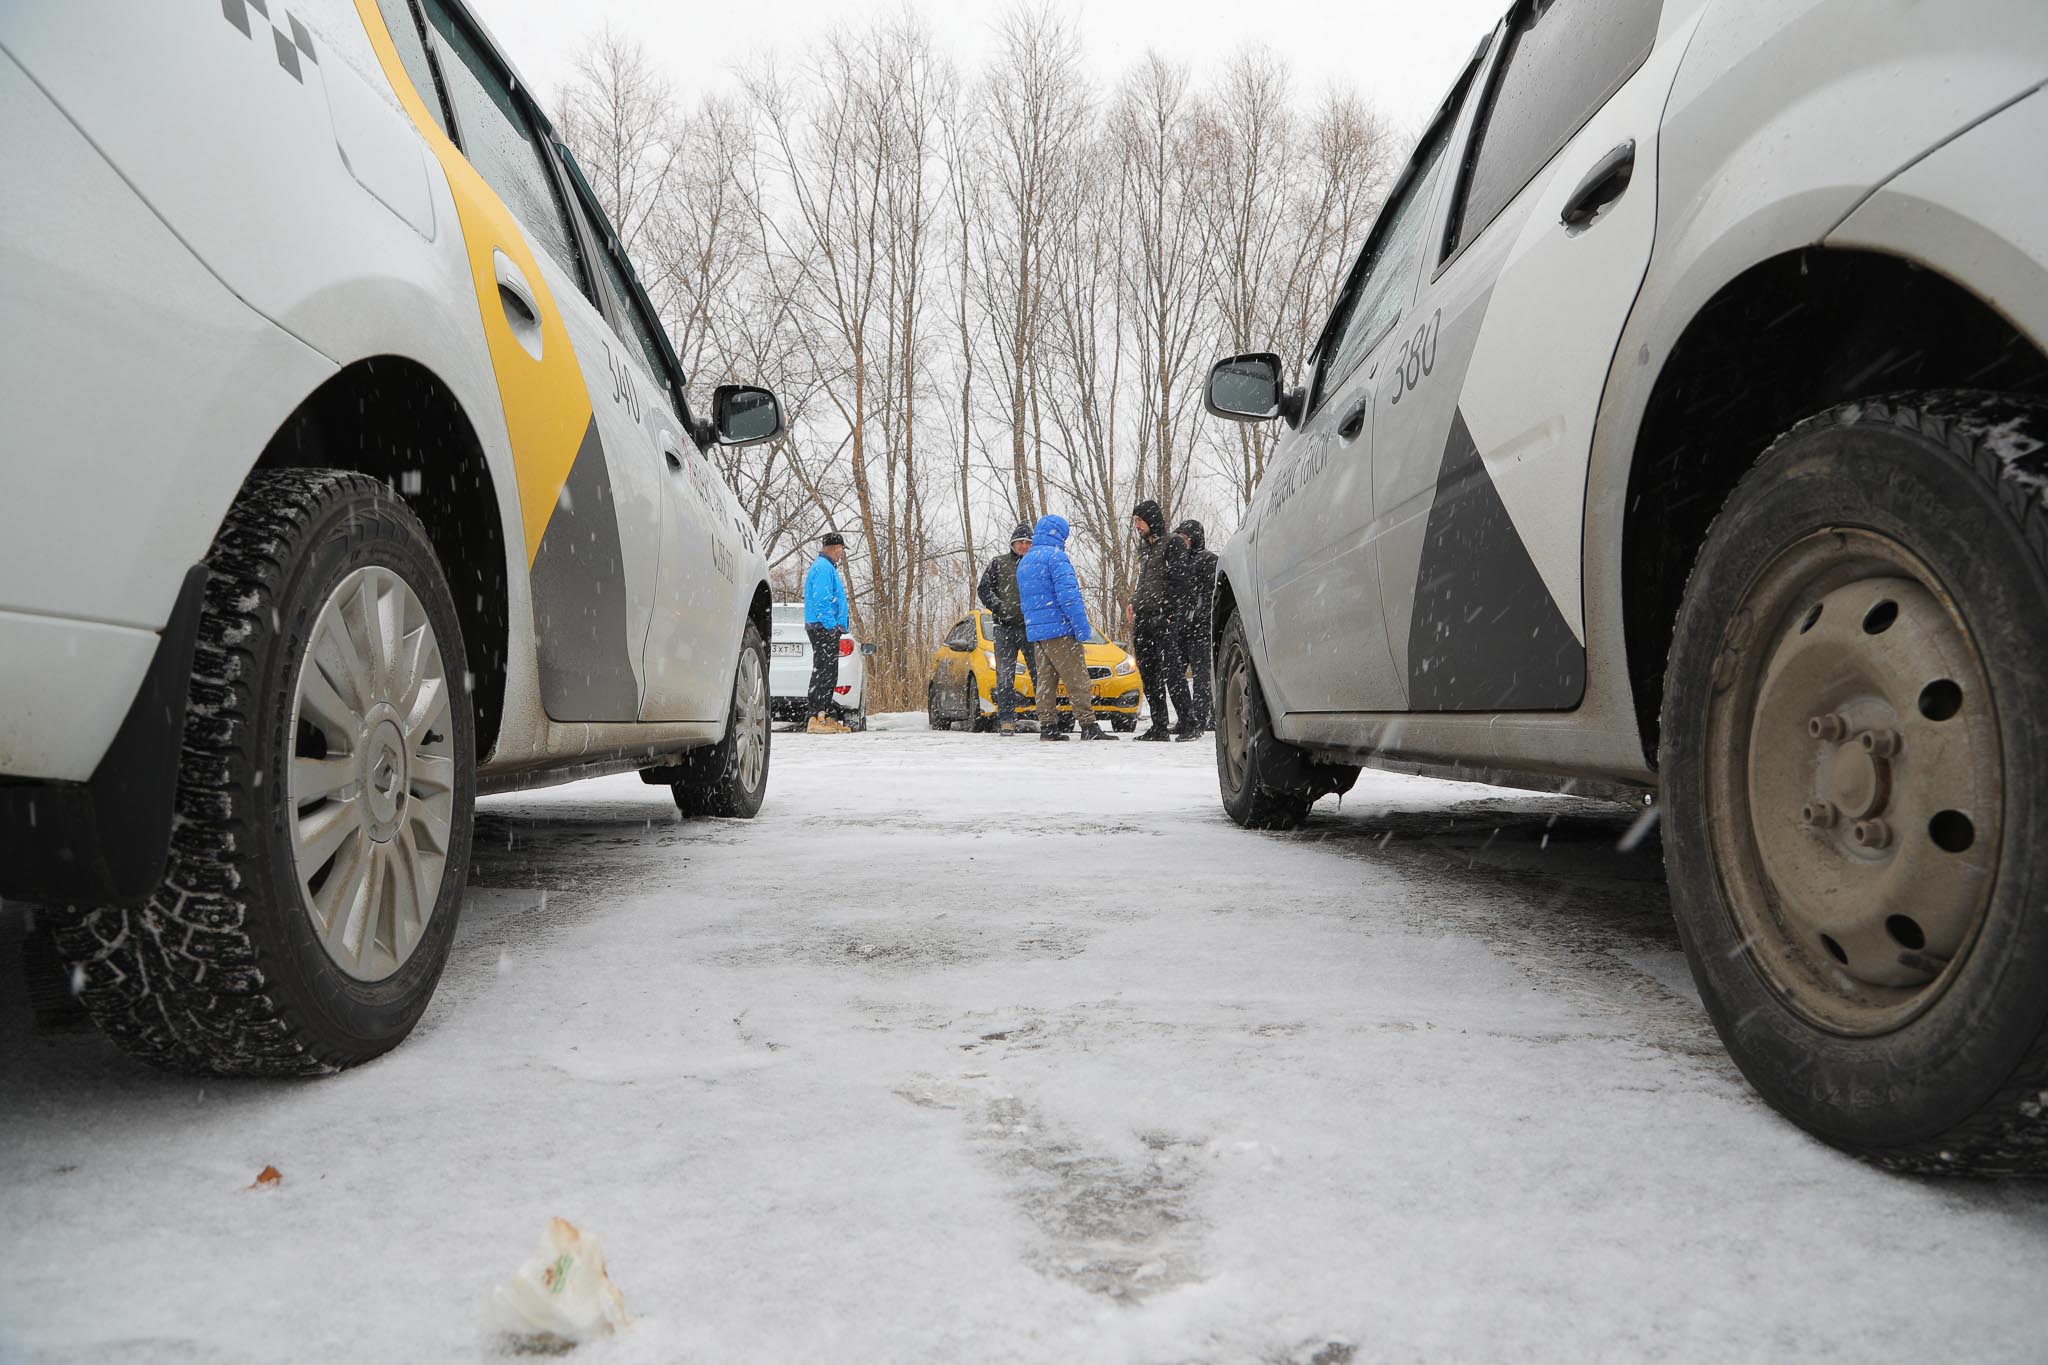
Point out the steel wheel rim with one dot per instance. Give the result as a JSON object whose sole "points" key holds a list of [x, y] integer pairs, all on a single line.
{"points": [[1235, 742], [750, 719], [372, 774], [1854, 781]]}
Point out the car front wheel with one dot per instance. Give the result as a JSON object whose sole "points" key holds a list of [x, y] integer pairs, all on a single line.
{"points": [[1266, 783], [1852, 753], [323, 803]]}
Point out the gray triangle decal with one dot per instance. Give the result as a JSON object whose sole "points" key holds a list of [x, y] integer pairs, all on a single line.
{"points": [[1486, 635]]}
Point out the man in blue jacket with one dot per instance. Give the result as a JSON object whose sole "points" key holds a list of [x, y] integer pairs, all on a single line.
{"points": [[825, 620], [1056, 623]]}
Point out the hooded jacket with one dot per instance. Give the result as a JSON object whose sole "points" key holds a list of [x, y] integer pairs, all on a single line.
{"points": [[1195, 586], [1159, 564], [1047, 587]]}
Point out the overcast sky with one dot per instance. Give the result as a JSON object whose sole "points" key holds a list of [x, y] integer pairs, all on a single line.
{"points": [[1402, 54]]}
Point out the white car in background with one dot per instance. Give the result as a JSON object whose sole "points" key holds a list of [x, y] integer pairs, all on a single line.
{"points": [[789, 670]]}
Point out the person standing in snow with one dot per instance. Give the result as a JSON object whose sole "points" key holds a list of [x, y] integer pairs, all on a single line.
{"points": [[1056, 623], [1195, 617], [998, 593], [1155, 637], [825, 620]]}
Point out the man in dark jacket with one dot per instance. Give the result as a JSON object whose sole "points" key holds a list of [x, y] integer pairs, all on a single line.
{"points": [[1155, 637], [998, 593], [1195, 616], [1056, 619]]}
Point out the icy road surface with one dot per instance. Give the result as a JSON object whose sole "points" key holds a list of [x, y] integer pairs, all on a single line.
{"points": [[984, 1050]]}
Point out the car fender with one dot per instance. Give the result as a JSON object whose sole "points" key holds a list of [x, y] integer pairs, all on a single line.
{"points": [[1767, 146], [1988, 234]]}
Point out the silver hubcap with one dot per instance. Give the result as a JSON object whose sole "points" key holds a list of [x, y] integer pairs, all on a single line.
{"points": [[373, 774], [1855, 780], [750, 719]]}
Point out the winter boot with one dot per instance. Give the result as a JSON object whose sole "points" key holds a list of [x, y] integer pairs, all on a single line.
{"points": [[1096, 732], [1158, 734], [1006, 728], [1053, 736]]}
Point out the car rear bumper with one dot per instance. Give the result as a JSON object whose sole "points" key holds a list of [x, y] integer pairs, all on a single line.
{"points": [[102, 840]]}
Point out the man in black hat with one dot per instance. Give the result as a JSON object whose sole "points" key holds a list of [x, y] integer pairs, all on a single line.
{"points": [[1155, 636], [825, 620], [998, 593]]}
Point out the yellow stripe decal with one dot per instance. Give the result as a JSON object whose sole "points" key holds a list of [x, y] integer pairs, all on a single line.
{"points": [[547, 407]]}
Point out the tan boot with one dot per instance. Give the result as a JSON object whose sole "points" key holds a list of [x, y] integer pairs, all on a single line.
{"points": [[818, 726], [831, 725]]}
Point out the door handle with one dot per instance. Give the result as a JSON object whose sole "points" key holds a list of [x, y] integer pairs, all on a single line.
{"points": [[1354, 422], [515, 296], [1601, 186]]}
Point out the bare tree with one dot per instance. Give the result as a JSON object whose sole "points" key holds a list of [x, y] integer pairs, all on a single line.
{"points": [[1166, 261], [1035, 111]]}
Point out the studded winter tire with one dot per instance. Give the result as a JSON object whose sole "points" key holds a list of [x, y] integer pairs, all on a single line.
{"points": [[1855, 774], [323, 805], [730, 778]]}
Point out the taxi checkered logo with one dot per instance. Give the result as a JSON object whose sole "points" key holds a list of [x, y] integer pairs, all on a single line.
{"points": [[290, 46]]}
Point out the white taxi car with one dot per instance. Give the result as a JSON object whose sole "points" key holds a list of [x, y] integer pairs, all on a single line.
{"points": [[1681, 429], [789, 671], [348, 474]]}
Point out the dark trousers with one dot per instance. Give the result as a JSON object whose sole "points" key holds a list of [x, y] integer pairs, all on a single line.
{"points": [[1157, 645], [1196, 646], [824, 667], [1007, 642]]}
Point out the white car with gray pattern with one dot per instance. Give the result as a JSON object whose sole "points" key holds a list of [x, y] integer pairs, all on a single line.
{"points": [[349, 474], [1679, 431]]}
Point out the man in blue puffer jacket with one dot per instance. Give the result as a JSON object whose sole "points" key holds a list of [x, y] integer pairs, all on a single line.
{"points": [[825, 620], [1056, 623]]}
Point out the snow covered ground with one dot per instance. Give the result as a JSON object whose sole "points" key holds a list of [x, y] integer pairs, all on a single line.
{"points": [[985, 1050]]}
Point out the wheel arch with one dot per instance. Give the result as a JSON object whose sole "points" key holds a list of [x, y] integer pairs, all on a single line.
{"points": [[395, 420], [1788, 337], [761, 611]]}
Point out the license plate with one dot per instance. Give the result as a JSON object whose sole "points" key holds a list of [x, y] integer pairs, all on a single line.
{"points": [[786, 651]]}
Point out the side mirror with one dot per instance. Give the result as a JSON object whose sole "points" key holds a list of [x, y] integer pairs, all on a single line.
{"points": [[744, 415], [1247, 388], [867, 650]]}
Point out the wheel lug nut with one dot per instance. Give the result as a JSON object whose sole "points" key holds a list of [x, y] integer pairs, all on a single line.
{"points": [[1829, 726], [1871, 834], [1879, 743], [1820, 815]]}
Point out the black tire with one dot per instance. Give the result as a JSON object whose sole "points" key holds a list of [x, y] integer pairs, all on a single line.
{"points": [[1266, 783], [716, 781], [1123, 725], [222, 970], [1952, 1077], [933, 717], [856, 720]]}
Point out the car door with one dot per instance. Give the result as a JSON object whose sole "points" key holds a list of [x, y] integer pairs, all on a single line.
{"points": [[693, 634], [1484, 424], [589, 492], [1319, 599]]}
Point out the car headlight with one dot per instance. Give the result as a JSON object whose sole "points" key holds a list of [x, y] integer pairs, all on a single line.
{"points": [[1125, 669], [989, 655]]}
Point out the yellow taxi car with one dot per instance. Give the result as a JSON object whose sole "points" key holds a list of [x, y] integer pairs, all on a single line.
{"points": [[962, 689]]}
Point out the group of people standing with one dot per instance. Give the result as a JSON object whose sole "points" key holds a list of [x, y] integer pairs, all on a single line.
{"points": [[1035, 609]]}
